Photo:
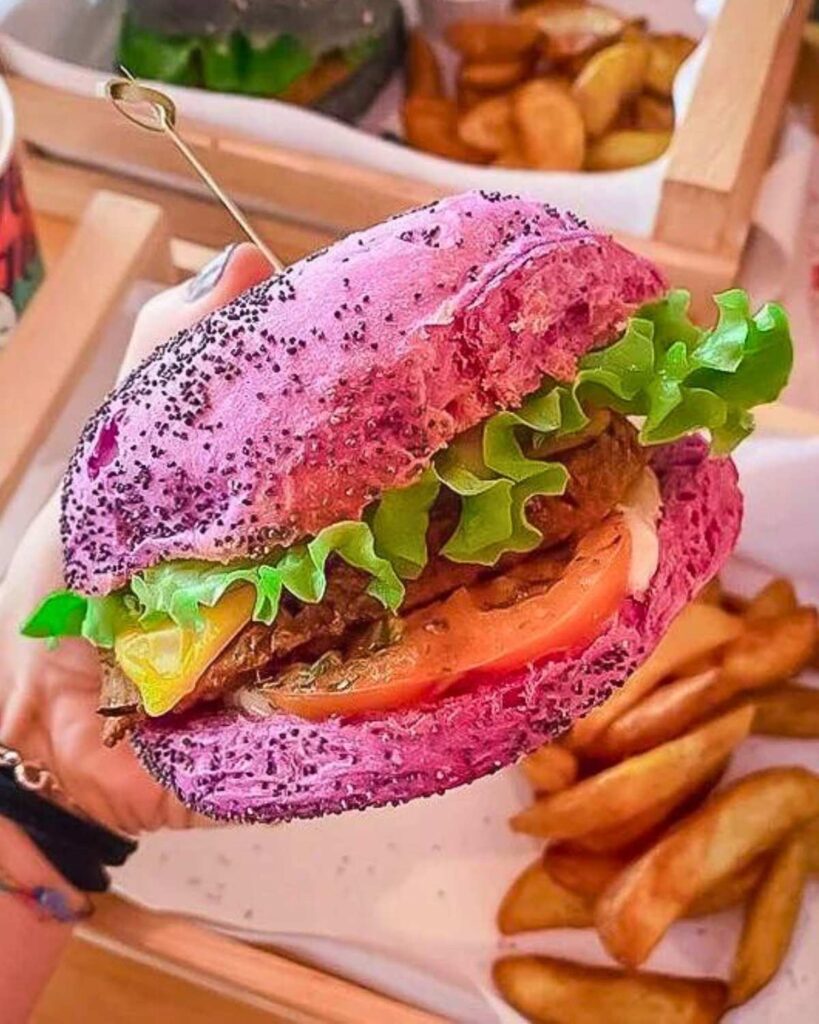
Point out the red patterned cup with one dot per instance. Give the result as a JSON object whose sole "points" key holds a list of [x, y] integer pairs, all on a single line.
{"points": [[21, 269]]}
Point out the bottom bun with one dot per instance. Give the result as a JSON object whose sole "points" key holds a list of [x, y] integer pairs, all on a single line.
{"points": [[228, 765]]}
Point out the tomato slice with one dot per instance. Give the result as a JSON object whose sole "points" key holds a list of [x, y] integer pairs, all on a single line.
{"points": [[469, 633]]}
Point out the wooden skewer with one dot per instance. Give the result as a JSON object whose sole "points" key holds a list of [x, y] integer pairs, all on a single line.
{"points": [[127, 94]]}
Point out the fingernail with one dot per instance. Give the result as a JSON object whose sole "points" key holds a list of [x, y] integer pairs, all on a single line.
{"points": [[210, 275]]}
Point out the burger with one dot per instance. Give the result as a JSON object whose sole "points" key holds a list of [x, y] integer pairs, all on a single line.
{"points": [[398, 515], [330, 55]]}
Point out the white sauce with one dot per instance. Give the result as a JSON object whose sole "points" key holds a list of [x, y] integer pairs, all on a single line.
{"points": [[641, 510]]}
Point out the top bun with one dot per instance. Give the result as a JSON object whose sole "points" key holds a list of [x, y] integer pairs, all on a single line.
{"points": [[299, 402]]}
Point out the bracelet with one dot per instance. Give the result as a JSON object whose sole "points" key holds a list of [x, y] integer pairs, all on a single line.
{"points": [[77, 847], [50, 904]]}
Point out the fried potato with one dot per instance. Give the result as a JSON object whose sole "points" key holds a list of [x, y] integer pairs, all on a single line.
{"points": [[618, 150], [424, 76], [769, 922], [549, 126], [697, 631], [488, 125], [492, 40], [730, 891], [535, 900], [664, 714], [775, 599], [573, 27], [611, 76], [665, 55], [550, 768], [638, 832], [652, 114], [711, 593], [588, 874], [787, 711], [512, 157], [733, 828], [810, 833], [551, 991], [432, 125], [495, 76], [635, 836], [616, 795], [772, 651]]}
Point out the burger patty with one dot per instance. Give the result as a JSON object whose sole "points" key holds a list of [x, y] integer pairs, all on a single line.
{"points": [[603, 463]]}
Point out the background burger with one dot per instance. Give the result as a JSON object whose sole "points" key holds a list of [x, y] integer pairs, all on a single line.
{"points": [[396, 516], [331, 55]]}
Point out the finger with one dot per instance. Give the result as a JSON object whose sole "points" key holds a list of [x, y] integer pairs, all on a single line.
{"points": [[228, 274]]}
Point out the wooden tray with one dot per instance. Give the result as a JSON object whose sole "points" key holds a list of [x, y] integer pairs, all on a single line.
{"points": [[75, 146], [117, 241]]}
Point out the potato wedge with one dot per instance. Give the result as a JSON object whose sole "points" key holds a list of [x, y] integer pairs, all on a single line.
{"points": [[550, 768], [551, 991], [495, 76], [492, 40], [666, 713], [633, 837], [769, 922], [611, 76], [787, 711], [424, 77], [432, 125], [535, 900], [772, 650], [616, 795], [512, 157], [488, 126], [697, 631], [588, 874], [635, 834], [810, 834], [733, 828], [730, 891], [711, 593], [775, 599], [573, 27], [665, 55], [549, 126], [652, 114], [617, 150]]}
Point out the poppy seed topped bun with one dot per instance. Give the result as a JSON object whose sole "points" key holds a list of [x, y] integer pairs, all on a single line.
{"points": [[302, 400]]}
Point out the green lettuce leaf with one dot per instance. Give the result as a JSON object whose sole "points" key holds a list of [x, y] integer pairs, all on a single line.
{"points": [[400, 522], [494, 478], [683, 379], [180, 589]]}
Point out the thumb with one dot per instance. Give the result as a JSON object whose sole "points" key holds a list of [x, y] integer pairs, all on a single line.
{"points": [[228, 274]]}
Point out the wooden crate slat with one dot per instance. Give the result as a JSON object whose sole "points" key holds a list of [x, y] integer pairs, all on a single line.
{"points": [[720, 151], [117, 239], [326, 194], [62, 189]]}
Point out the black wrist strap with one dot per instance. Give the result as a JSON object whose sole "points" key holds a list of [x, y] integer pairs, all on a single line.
{"points": [[78, 849]]}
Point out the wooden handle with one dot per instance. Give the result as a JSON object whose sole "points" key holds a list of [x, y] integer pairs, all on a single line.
{"points": [[720, 152], [116, 241], [293, 993]]}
